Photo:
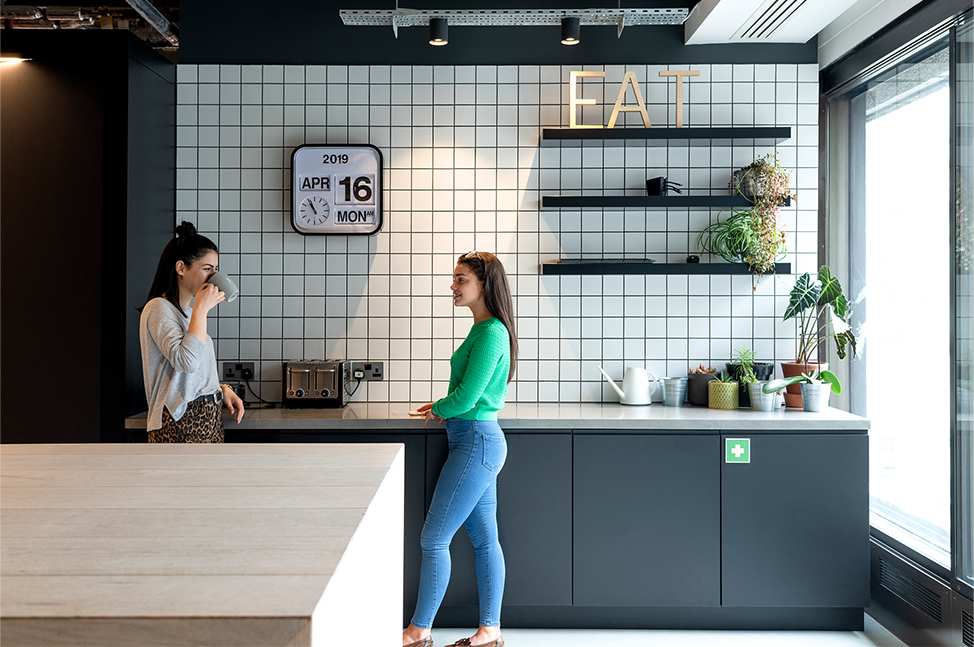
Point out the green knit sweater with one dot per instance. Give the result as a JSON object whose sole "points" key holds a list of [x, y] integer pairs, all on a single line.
{"points": [[478, 374]]}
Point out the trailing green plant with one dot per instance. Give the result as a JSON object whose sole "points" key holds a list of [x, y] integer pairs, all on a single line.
{"points": [[753, 236], [745, 358], [729, 239], [804, 301], [818, 377], [725, 378]]}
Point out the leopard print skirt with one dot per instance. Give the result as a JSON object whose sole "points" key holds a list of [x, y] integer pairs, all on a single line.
{"points": [[201, 423]]}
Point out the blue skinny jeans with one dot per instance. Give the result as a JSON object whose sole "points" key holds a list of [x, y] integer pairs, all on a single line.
{"points": [[465, 494]]}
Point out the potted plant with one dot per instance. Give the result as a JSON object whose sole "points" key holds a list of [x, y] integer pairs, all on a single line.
{"points": [[815, 388], [697, 380], [747, 371], [804, 302], [752, 376], [752, 236], [722, 392]]}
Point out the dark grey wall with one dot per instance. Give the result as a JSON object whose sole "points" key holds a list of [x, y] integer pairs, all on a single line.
{"points": [[86, 206], [311, 32]]}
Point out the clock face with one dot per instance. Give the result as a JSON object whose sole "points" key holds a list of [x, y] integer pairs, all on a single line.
{"points": [[314, 210], [336, 189]]}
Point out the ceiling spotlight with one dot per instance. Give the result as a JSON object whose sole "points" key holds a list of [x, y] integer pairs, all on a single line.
{"points": [[438, 31], [569, 30]]}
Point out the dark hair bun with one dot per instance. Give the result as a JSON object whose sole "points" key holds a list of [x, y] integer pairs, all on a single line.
{"points": [[186, 229]]}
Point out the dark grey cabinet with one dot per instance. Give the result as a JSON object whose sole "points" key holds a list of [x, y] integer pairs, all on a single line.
{"points": [[655, 529], [534, 508], [646, 526], [795, 522]]}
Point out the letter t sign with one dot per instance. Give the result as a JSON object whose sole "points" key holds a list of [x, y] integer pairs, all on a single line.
{"points": [[679, 74]]}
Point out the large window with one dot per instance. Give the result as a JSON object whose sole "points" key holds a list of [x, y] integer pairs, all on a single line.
{"points": [[963, 204], [900, 249], [899, 207]]}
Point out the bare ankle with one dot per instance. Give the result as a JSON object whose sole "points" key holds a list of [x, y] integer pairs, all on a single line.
{"points": [[413, 634]]}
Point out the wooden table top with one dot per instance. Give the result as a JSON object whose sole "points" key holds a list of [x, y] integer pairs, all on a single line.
{"points": [[121, 531]]}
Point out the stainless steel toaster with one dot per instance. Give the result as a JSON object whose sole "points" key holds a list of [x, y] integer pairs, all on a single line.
{"points": [[315, 383]]}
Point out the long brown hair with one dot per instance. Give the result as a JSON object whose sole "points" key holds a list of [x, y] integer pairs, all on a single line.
{"points": [[497, 294]]}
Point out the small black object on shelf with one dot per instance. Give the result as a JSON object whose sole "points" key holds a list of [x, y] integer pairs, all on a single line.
{"points": [[691, 258], [661, 186]]}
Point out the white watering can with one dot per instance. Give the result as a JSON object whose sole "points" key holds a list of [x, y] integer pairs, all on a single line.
{"points": [[637, 387]]}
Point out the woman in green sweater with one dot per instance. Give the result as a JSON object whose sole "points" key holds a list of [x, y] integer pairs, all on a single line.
{"points": [[466, 491]]}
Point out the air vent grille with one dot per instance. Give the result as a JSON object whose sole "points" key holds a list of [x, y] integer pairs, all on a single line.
{"points": [[967, 628], [766, 21], [904, 587]]}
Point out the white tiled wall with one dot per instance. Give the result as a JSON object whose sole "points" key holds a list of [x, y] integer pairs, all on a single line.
{"points": [[464, 170]]}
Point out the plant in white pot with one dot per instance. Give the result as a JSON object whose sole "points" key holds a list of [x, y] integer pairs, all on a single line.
{"points": [[815, 388], [804, 302]]}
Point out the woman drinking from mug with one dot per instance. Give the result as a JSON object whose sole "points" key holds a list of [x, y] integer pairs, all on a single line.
{"points": [[178, 363], [466, 491]]}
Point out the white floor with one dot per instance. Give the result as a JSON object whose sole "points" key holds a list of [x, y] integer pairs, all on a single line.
{"points": [[873, 636]]}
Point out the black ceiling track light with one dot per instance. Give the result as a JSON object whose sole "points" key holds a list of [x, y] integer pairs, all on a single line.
{"points": [[570, 30], [438, 31], [570, 19]]}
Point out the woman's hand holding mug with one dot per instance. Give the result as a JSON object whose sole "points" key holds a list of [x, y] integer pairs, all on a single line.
{"points": [[207, 297]]}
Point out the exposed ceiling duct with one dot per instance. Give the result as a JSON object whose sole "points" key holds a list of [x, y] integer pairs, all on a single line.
{"points": [[138, 16], [759, 21], [156, 20]]}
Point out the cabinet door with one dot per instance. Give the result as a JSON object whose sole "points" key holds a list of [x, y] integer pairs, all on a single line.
{"points": [[646, 520], [533, 517], [414, 512], [795, 522]]}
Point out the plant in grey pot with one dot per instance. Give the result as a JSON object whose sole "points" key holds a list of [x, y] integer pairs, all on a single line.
{"points": [[751, 383], [815, 388], [747, 371]]}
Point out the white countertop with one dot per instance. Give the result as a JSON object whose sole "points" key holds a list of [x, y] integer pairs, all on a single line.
{"points": [[582, 416]]}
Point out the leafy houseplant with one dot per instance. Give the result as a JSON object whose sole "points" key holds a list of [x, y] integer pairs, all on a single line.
{"points": [[722, 392], [824, 292], [807, 297], [751, 375], [752, 236], [745, 359], [815, 388]]}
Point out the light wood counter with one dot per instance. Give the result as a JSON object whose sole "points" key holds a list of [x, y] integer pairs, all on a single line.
{"points": [[234, 544]]}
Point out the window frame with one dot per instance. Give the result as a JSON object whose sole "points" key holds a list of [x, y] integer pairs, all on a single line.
{"points": [[908, 38]]}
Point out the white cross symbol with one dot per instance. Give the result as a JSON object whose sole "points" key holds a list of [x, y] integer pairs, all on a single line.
{"points": [[737, 451]]}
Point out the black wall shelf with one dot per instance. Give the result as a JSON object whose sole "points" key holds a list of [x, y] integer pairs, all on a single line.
{"points": [[626, 266], [646, 201], [726, 136]]}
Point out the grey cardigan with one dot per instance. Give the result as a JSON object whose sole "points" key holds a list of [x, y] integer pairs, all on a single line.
{"points": [[176, 366]]}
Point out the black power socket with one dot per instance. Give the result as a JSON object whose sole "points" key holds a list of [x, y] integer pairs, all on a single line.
{"points": [[240, 371]]}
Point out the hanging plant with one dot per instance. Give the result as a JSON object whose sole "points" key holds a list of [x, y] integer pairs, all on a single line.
{"points": [[752, 237], [764, 183]]}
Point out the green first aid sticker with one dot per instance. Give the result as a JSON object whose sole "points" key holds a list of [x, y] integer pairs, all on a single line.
{"points": [[737, 450]]}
